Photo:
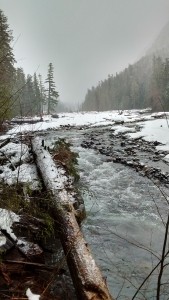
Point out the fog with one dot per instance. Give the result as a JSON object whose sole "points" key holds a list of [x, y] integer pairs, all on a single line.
{"points": [[84, 39]]}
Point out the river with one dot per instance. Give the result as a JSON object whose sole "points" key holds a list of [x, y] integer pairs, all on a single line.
{"points": [[123, 226]]}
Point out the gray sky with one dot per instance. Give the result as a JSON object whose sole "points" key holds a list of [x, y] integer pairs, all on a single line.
{"points": [[84, 39]]}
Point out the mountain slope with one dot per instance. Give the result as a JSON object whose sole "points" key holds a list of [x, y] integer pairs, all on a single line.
{"points": [[140, 85], [160, 47]]}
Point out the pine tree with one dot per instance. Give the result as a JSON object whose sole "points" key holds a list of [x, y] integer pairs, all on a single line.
{"points": [[37, 96], [20, 90], [52, 94], [29, 97], [42, 93], [6, 67]]}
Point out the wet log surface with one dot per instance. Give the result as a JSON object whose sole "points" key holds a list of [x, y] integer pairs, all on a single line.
{"points": [[87, 278]]}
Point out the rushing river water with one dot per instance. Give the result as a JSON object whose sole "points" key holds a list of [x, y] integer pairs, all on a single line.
{"points": [[123, 226]]}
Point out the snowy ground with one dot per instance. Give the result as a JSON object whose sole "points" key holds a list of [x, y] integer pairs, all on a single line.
{"points": [[152, 126], [135, 123], [81, 119]]}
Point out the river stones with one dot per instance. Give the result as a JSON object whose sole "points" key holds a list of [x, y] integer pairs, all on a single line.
{"points": [[138, 154]]}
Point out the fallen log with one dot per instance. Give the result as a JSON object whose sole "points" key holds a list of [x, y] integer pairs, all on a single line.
{"points": [[26, 120], [4, 143], [87, 278]]}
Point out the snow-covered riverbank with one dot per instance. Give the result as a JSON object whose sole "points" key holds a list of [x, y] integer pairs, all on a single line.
{"points": [[135, 124], [118, 196]]}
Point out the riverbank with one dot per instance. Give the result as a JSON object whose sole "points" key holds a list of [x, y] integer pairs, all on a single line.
{"points": [[29, 239], [122, 140]]}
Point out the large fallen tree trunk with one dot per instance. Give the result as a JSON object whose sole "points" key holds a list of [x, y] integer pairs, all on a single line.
{"points": [[87, 278]]}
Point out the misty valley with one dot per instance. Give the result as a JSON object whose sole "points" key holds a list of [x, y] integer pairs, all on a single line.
{"points": [[84, 185]]}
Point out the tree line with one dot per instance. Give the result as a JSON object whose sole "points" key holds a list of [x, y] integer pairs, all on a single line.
{"points": [[143, 84], [33, 98], [20, 94]]}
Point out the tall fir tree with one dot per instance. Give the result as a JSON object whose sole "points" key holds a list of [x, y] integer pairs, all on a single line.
{"points": [[37, 96], [20, 90], [52, 94], [6, 67], [42, 93], [30, 97]]}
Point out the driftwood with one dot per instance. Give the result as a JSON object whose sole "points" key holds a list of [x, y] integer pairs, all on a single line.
{"points": [[26, 120], [87, 278]]}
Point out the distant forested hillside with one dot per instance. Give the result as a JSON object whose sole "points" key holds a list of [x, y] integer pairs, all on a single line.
{"points": [[143, 84], [160, 47]]}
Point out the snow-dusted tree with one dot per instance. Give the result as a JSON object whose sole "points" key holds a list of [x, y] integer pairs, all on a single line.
{"points": [[52, 94]]}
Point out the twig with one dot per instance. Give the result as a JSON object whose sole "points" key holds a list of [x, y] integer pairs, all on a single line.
{"points": [[148, 276], [162, 260], [29, 264]]}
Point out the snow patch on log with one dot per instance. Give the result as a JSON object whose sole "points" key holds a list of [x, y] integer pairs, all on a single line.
{"points": [[7, 218], [54, 177]]}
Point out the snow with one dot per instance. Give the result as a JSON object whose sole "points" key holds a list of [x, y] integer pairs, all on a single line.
{"points": [[166, 158], [122, 129], [79, 119], [4, 137], [2, 240], [135, 123], [16, 167], [32, 296], [7, 218], [15, 152], [154, 130], [26, 119], [26, 173], [53, 176]]}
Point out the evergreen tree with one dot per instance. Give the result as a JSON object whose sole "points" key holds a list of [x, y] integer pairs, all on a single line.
{"points": [[127, 90], [29, 97], [37, 96], [52, 94], [42, 93], [6, 67], [166, 85], [159, 93], [30, 94], [20, 90]]}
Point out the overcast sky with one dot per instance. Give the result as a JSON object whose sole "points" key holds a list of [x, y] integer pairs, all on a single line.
{"points": [[84, 39]]}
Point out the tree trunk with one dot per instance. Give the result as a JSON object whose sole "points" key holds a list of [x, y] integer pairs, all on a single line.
{"points": [[87, 278]]}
